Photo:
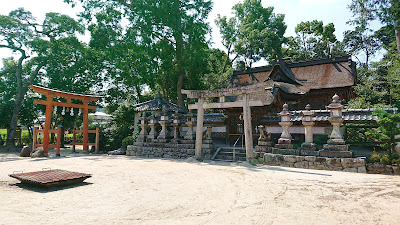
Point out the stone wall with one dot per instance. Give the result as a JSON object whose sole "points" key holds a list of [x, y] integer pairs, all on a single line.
{"points": [[356, 165], [383, 169], [165, 152]]}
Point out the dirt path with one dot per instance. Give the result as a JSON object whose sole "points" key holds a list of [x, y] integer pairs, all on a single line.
{"points": [[129, 190]]}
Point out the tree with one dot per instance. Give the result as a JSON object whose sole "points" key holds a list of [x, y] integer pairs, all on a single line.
{"points": [[180, 24], [254, 33], [386, 11], [313, 40], [52, 42], [388, 130]]}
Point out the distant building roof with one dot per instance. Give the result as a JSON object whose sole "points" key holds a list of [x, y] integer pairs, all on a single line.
{"points": [[301, 77], [157, 104]]}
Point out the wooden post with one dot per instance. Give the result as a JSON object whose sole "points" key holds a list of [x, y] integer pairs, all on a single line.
{"points": [[97, 140], [58, 140], [85, 125], [34, 135], [47, 123], [248, 133], [73, 140], [199, 128]]}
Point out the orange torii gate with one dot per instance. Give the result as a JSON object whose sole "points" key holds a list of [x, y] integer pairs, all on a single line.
{"points": [[50, 94]]}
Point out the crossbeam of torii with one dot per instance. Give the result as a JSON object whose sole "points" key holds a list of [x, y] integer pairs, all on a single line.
{"points": [[246, 103], [50, 94]]}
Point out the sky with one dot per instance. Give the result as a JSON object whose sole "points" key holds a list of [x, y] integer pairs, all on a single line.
{"points": [[296, 11]]}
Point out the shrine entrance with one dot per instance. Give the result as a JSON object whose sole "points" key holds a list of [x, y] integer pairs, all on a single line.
{"points": [[50, 103]]}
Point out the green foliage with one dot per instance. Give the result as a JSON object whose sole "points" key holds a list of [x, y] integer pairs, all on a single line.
{"points": [[127, 141], [384, 159], [254, 33], [388, 129], [313, 40]]}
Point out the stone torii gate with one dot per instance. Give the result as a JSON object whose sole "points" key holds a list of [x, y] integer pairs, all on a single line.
{"points": [[246, 103], [50, 94]]}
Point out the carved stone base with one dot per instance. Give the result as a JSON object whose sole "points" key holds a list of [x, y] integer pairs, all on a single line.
{"points": [[265, 143], [284, 141], [187, 141], [308, 146], [309, 152], [284, 146], [336, 142], [285, 151], [330, 147], [336, 154]]}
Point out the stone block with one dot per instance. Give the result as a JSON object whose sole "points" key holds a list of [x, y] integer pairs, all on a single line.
{"points": [[370, 167], [396, 170], [330, 147], [333, 162], [268, 157], [129, 147], [361, 169], [352, 162], [285, 151], [25, 152], [290, 158], [309, 152], [354, 170], [335, 154], [320, 159], [265, 143], [310, 158], [279, 158], [388, 168], [300, 158], [37, 153], [380, 168]]}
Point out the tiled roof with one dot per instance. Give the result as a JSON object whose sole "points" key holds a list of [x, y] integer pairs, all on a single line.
{"points": [[349, 115], [157, 104]]}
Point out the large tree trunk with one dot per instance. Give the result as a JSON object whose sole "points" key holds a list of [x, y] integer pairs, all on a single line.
{"points": [[19, 97], [397, 40], [178, 35]]}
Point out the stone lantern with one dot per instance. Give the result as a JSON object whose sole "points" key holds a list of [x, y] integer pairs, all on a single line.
{"points": [[175, 123], [152, 124], [190, 122], [336, 120], [143, 126], [164, 121], [335, 146], [308, 123], [285, 141]]}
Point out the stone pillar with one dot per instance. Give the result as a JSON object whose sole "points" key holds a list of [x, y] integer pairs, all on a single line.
{"points": [[336, 146], [143, 132], [248, 131], [190, 123], [152, 124], [164, 122], [199, 128], [308, 123]]}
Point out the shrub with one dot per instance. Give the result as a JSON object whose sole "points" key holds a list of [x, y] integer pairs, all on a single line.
{"points": [[374, 158], [127, 141], [385, 159]]}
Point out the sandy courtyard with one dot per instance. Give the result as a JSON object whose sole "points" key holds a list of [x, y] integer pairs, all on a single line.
{"points": [[129, 190]]}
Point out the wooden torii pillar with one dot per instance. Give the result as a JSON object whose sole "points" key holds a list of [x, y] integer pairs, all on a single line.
{"points": [[246, 103], [50, 94]]}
